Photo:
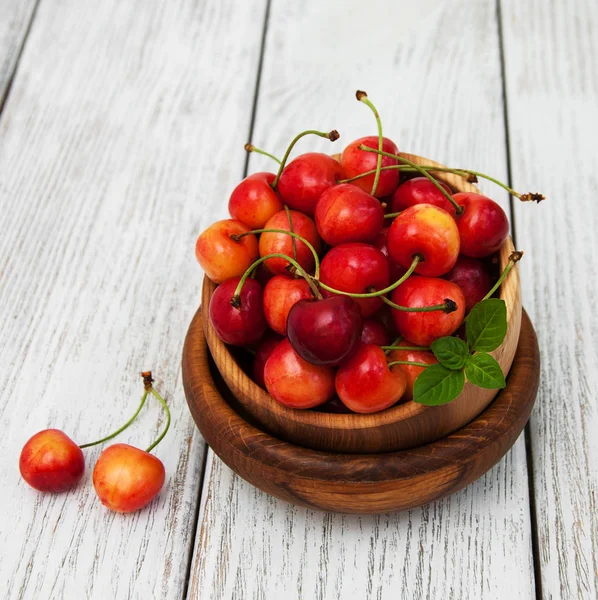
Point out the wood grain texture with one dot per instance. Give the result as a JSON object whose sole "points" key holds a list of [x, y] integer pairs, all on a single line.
{"points": [[357, 483], [106, 179], [15, 17], [552, 85], [406, 425], [438, 88]]}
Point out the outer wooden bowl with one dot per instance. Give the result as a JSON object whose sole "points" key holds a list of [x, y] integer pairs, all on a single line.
{"points": [[405, 425], [364, 483]]}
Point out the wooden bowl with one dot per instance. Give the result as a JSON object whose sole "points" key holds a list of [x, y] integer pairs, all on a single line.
{"points": [[402, 426], [363, 483]]}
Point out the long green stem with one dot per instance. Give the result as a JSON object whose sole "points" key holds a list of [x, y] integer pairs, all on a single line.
{"points": [[514, 258], [251, 148], [237, 236], [392, 215], [407, 362], [458, 208], [363, 97], [331, 135], [167, 426], [412, 348], [293, 239], [448, 306], [236, 300], [416, 260], [120, 429], [397, 341]]}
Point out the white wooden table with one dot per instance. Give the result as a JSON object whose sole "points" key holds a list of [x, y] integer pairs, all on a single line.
{"points": [[122, 126]]}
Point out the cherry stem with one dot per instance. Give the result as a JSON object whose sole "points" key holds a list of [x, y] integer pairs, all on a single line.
{"points": [[293, 239], [407, 362], [237, 237], [416, 260], [363, 97], [331, 135], [251, 148], [458, 209], [448, 306], [392, 215], [514, 258], [151, 390], [413, 348], [121, 429], [397, 341], [236, 299]]}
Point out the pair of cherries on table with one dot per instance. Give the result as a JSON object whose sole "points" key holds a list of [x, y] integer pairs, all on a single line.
{"points": [[331, 321]]}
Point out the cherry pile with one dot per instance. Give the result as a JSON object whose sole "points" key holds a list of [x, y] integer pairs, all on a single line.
{"points": [[125, 478], [341, 275]]}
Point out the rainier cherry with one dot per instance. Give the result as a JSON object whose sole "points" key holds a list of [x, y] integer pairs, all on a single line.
{"points": [[426, 231], [422, 328], [223, 257], [254, 201], [472, 277], [281, 293], [324, 332], [420, 190], [483, 225], [345, 213], [366, 384], [412, 371], [306, 178], [294, 382]]}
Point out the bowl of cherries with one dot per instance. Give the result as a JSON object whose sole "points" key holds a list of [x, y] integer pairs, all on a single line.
{"points": [[363, 302]]}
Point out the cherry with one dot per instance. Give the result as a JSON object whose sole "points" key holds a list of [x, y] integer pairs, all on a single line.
{"points": [[254, 201], [412, 371], [356, 268], [373, 332], [366, 384], [272, 243], [223, 257], [483, 225], [126, 478], [345, 213], [472, 276], [420, 190], [426, 231], [280, 295], [263, 351], [294, 382], [422, 328], [395, 270], [324, 332], [241, 322], [306, 178], [51, 462]]}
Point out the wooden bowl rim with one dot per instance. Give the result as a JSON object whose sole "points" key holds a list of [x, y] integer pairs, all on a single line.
{"points": [[398, 412]]}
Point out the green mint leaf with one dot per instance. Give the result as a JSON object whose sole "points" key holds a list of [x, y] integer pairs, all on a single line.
{"points": [[437, 385], [482, 370], [486, 325], [451, 352]]}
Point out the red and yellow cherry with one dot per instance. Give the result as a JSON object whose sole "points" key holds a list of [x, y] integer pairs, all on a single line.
{"points": [[126, 478], [420, 190], [273, 243], [253, 201], [395, 270], [324, 332], [306, 178], [355, 162], [51, 462], [281, 293], [373, 332], [263, 351], [345, 213], [429, 232], [294, 382], [239, 323], [366, 384], [472, 276], [422, 328], [483, 225], [223, 257], [356, 268], [412, 372]]}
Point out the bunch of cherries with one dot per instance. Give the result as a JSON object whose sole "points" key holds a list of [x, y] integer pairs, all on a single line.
{"points": [[326, 262]]}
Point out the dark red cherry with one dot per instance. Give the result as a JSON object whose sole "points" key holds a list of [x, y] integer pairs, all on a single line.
{"points": [[324, 332], [374, 332], [472, 276], [262, 353]]}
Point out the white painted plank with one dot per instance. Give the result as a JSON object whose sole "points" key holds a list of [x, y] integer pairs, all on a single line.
{"points": [[437, 84], [120, 141], [15, 16], [552, 86]]}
